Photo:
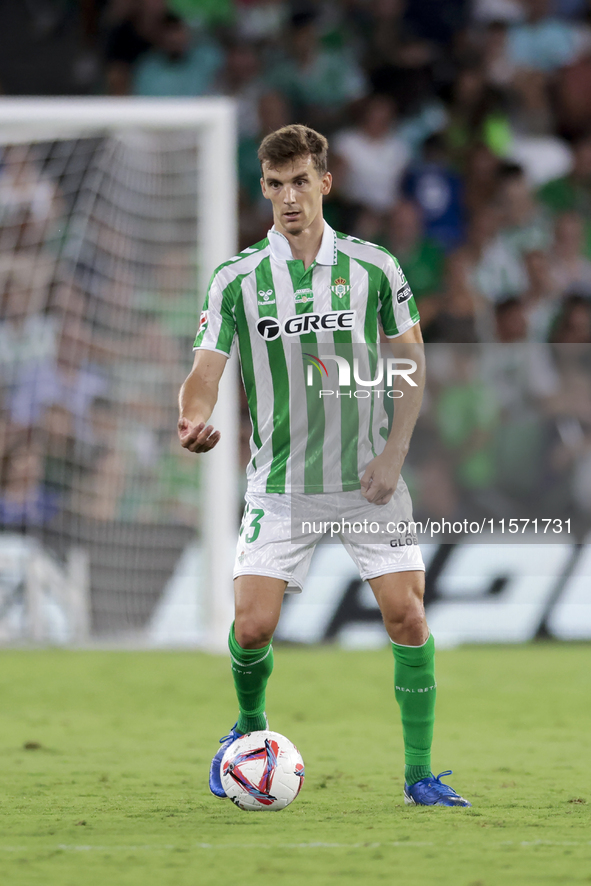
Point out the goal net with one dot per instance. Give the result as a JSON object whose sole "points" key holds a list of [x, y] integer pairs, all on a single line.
{"points": [[113, 214]]}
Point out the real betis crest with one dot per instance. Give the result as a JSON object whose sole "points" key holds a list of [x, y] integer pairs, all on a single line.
{"points": [[340, 287]]}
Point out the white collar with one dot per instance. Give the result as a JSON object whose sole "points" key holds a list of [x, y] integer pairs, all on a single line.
{"points": [[281, 250]]}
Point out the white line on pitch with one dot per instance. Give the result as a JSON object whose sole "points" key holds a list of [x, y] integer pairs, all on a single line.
{"points": [[316, 845]]}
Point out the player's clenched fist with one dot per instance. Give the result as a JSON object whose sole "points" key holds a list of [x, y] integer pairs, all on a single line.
{"points": [[197, 438], [379, 481]]}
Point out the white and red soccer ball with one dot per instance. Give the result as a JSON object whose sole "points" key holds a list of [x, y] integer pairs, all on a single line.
{"points": [[262, 770]]}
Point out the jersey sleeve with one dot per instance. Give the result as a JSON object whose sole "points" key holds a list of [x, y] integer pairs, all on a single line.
{"points": [[398, 310], [217, 324]]}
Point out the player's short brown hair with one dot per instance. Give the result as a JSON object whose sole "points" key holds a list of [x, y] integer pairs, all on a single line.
{"points": [[291, 142]]}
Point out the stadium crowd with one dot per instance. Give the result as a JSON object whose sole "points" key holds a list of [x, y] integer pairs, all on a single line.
{"points": [[460, 139], [460, 131]]}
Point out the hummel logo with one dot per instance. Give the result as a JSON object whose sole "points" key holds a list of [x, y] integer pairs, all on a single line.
{"points": [[266, 297]]}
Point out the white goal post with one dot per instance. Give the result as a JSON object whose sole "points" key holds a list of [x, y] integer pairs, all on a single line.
{"points": [[31, 121]]}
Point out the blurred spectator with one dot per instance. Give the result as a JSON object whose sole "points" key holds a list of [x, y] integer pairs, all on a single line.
{"points": [[498, 67], [24, 499], [27, 335], [524, 224], [420, 257], [204, 13], [467, 418], [63, 454], [570, 458], [177, 65], [526, 89], [476, 115], [272, 113], [318, 83], [241, 79], [179, 486], [544, 42], [480, 177], [497, 10], [338, 210], [374, 156], [49, 47], [569, 8], [572, 97], [386, 34], [436, 495], [510, 321], [523, 376], [260, 21], [67, 378], [254, 212], [132, 31], [573, 324], [573, 191], [29, 200], [462, 314], [524, 379], [438, 190], [98, 492], [570, 269], [481, 232], [399, 62], [432, 20], [170, 298], [531, 112], [524, 227], [542, 296], [488, 256]]}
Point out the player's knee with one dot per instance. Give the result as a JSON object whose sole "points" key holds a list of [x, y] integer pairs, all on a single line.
{"points": [[407, 624], [253, 633], [414, 628]]}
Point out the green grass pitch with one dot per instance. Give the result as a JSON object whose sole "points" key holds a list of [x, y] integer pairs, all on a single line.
{"points": [[105, 755]]}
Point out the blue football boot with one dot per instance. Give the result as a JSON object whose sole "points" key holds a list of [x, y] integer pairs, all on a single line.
{"points": [[215, 775], [432, 792]]}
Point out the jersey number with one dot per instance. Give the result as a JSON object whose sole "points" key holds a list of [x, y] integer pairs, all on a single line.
{"points": [[254, 524]]}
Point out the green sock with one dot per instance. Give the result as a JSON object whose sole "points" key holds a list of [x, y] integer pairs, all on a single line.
{"points": [[414, 686], [251, 668]]}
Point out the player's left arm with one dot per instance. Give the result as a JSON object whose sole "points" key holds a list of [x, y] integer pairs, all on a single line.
{"points": [[380, 479]]}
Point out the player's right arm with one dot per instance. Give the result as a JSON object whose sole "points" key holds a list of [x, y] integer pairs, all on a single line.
{"points": [[213, 346], [197, 398]]}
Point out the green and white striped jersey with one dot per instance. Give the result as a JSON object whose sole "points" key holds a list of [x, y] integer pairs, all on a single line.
{"points": [[284, 317]]}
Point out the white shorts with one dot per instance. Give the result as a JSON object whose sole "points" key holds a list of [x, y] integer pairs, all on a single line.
{"points": [[279, 533]]}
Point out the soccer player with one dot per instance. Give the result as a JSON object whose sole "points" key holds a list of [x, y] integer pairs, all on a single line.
{"points": [[308, 288]]}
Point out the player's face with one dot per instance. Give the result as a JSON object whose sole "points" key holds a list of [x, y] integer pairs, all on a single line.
{"points": [[296, 192]]}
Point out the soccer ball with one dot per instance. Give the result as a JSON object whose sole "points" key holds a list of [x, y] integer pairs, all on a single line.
{"points": [[262, 770]]}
